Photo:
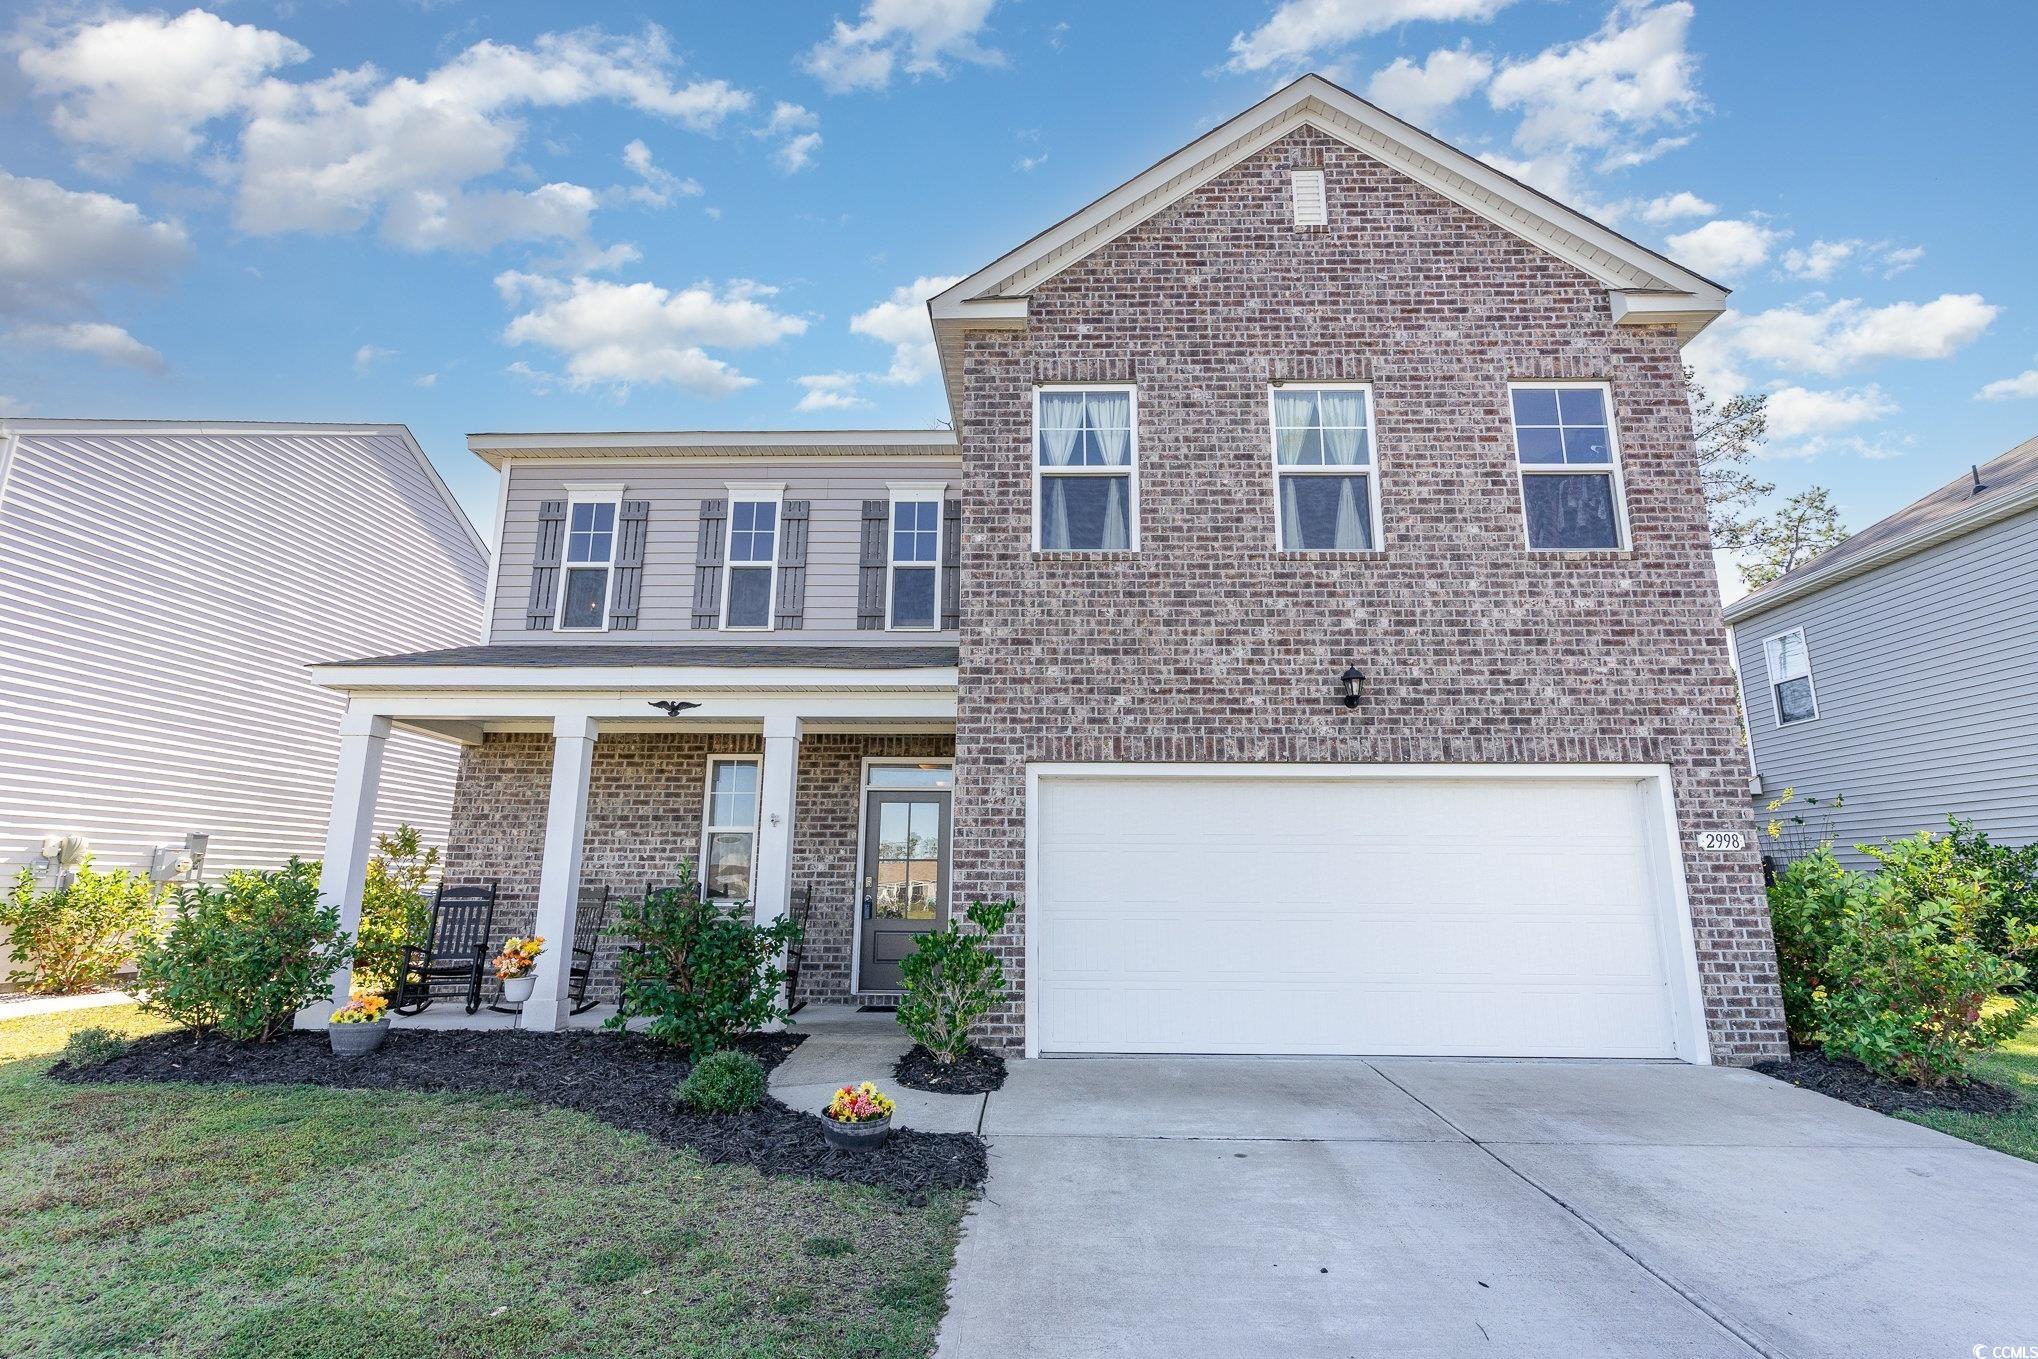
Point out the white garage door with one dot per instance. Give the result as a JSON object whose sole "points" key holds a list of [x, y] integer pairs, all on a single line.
{"points": [[1489, 917]]}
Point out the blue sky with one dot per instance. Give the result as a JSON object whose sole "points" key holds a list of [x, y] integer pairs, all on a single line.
{"points": [[467, 217]]}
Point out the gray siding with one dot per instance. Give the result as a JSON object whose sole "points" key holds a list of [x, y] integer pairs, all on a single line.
{"points": [[161, 594], [1926, 673], [675, 487]]}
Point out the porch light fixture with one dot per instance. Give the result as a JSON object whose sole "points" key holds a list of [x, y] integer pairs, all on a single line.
{"points": [[1350, 683], [672, 707]]}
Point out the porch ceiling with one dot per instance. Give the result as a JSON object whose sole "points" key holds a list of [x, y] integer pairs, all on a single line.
{"points": [[600, 654]]}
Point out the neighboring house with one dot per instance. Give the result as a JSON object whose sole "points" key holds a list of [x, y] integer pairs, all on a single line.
{"points": [[1898, 671], [1312, 623], [164, 584]]}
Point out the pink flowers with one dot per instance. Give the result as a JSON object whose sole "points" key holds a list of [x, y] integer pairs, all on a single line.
{"points": [[863, 1103]]}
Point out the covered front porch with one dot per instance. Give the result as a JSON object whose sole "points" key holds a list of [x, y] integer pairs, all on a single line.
{"points": [[804, 780]]}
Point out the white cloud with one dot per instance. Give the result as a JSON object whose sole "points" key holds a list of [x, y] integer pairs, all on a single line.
{"points": [[901, 322], [1795, 412], [1819, 260], [660, 186], [143, 86], [1300, 29], [1632, 76], [12, 405], [1675, 207], [1562, 178], [368, 355], [920, 36], [1834, 445], [1419, 93], [426, 380], [1725, 248], [102, 340], [620, 334], [58, 247], [1026, 165], [1900, 258], [2024, 384], [799, 134], [831, 392], [1836, 337]]}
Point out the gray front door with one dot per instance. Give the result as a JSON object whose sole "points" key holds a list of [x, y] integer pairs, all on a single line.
{"points": [[905, 879]]}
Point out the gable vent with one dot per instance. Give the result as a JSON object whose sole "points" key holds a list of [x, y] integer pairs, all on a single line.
{"points": [[1311, 207]]}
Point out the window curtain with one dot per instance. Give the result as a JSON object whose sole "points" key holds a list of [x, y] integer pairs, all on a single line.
{"points": [[1054, 521], [1351, 532], [1061, 421], [1115, 531], [1294, 413], [1291, 516], [1344, 427], [1111, 426]]}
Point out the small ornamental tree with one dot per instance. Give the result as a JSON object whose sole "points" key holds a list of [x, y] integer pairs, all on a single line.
{"points": [[395, 907], [952, 980], [2012, 871], [243, 957], [700, 971], [77, 935]]}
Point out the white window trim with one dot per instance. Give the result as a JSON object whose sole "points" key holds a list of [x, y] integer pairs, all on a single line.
{"points": [[1371, 469], [914, 493], [590, 493], [708, 827], [752, 493], [863, 792], [1612, 468], [1130, 471], [1769, 675]]}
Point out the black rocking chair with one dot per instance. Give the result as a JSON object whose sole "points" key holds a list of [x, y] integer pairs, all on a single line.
{"points": [[455, 954], [590, 918]]}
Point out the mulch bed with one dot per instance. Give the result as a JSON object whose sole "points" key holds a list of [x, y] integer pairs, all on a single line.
{"points": [[976, 1072], [622, 1079], [1845, 1078]]}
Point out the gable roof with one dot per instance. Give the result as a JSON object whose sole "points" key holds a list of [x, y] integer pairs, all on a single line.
{"points": [[1645, 288], [2009, 486]]}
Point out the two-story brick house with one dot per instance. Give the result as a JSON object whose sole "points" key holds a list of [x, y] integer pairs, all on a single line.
{"points": [[1311, 623]]}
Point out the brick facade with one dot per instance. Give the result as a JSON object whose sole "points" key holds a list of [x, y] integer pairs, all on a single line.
{"points": [[645, 795], [1206, 645]]}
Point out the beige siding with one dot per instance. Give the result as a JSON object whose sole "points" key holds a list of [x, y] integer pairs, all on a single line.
{"points": [[675, 487], [160, 597]]}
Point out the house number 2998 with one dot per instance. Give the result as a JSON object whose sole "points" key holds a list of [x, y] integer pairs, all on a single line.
{"points": [[1718, 840]]}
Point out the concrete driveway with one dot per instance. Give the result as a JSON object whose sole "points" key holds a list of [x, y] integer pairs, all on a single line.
{"points": [[1308, 1207]]}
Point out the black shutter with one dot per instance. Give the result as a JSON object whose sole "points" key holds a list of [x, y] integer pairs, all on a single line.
{"points": [[791, 613], [633, 525], [870, 586], [951, 565], [545, 565], [707, 565]]}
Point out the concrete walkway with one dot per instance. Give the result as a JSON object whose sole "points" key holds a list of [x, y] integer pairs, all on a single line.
{"points": [[1312, 1207], [22, 1006], [845, 1046]]}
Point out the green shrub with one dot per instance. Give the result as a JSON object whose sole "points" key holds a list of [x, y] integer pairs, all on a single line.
{"points": [[952, 980], [725, 1082], [395, 908], [78, 935], [1887, 967], [242, 958], [2014, 873], [93, 1047], [700, 973]]}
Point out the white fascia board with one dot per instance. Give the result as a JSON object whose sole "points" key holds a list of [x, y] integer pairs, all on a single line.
{"points": [[635, 679], [710, 438], [1689, 312], [719, 710], [1812, 579]]}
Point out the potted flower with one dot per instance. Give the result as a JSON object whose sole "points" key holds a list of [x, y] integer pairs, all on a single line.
{"points": [[514, 968], [358, 1027], [858, 1118]]}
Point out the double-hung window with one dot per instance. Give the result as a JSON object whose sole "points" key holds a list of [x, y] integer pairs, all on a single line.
{"points": [[589, 565], [1325, 487], [915, 565], [1085, 459], [1790, 678], [729, 833], [1569, 464], [753, 562]]}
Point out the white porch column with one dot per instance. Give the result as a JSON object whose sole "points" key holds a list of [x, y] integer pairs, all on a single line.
{"points": [[559, 880], [348, 835], [771, 891]]}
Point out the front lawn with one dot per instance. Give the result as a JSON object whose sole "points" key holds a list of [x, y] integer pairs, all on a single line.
{"points": [[2015, 1066], [289, 1222]]}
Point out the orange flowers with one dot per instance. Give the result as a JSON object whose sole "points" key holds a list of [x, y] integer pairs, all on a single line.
{"points": [[863, 1103], [359, 1010], [517, 958]]}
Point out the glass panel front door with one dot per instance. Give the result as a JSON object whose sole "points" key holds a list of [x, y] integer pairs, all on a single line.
{"points": [[905, 879]]}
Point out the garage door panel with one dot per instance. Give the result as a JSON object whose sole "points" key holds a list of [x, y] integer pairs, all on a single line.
{"points": [[1509, 917]]}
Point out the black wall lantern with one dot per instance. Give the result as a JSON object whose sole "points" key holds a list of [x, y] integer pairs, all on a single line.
{"points": [[1350, 683]]}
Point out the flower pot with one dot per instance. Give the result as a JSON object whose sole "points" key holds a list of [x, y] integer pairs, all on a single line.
{"points": [[357, 1040], [856, 1136], [517, 990]]}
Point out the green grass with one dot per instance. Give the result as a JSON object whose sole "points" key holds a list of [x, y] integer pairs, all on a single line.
{"points": [[2014, 1064], [299, 1223]]}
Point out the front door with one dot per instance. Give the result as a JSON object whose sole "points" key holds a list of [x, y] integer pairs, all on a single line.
{"points": [[905, 879]]}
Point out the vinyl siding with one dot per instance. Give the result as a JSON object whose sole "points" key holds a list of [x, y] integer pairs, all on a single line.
{"points": [[160, 597], [675, 488], [1926, 675]]}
